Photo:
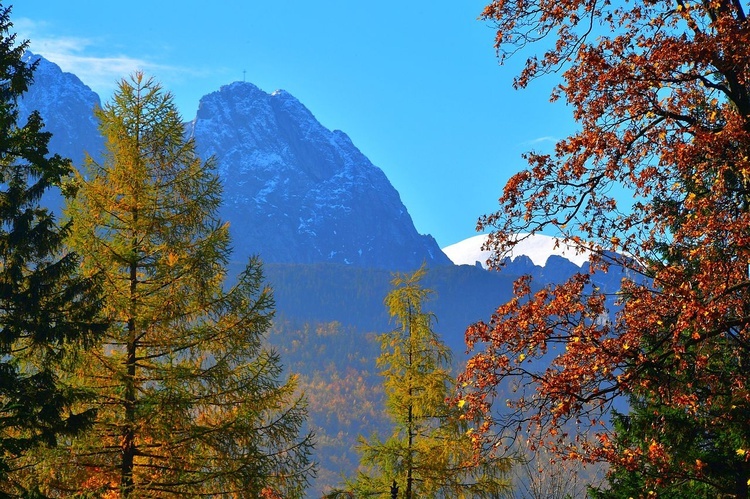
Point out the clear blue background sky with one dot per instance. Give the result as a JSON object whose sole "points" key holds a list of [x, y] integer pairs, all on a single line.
{"points": [[416, 85]]}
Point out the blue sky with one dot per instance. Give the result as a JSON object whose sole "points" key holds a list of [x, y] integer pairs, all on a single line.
{"points": [[416, 85]]}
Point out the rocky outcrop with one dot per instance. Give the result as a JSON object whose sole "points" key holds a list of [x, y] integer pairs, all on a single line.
{"points": [[298, 192]]}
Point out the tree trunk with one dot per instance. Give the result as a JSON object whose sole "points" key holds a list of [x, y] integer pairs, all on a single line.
{"points": [[128, 437]]}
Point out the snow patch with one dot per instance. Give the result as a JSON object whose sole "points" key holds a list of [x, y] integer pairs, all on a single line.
{"points": [[537, 247]]}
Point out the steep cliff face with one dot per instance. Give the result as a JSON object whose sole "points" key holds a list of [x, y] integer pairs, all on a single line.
{"points": [[298, 192], [67, 107]]}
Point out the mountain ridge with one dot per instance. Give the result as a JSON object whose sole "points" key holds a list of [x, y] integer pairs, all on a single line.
{"points": [[539, 248], [67, 106], [292, 176], [327, 224], [294, 191]]}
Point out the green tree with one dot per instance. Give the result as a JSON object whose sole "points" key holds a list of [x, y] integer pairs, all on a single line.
{"points": [[701, 459], [697, 445], [190, 402], [431, 450], [677, 452], [45, 306]]}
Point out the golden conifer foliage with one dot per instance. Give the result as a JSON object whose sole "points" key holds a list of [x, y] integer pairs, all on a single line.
{"points": [[189, 402]]}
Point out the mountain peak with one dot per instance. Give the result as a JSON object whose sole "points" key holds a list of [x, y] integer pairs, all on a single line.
{"points": [[294, 191], [67, 106], [240, 86], [300, 192]]}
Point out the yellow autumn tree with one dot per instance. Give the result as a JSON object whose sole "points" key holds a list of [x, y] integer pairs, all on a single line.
{"points": [[189, 401], [430, 452]]}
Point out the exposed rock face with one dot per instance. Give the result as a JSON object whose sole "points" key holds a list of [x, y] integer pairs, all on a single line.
{"points": [[294, 190], [298, 192], [67, 107]]}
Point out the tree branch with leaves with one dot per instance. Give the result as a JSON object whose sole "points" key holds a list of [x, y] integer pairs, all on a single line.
{"points": [[655, 181]]}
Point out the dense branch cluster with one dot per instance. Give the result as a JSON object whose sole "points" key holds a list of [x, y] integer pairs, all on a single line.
{"points": [[656, 181]]}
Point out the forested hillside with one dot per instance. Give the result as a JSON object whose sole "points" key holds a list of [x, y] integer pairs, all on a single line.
{"points": [[327, 314]]}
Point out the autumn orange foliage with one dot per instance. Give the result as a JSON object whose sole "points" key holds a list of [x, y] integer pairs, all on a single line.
{"points": [[656, 180]]}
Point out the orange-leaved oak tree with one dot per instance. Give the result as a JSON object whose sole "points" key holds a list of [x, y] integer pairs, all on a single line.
{"points": [[656, 180]]}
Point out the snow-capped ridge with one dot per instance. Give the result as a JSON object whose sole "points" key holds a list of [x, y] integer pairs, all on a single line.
{"points": [[537, 247]]}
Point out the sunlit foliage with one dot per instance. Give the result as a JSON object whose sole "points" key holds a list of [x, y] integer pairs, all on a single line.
{"points": [[430, 451], [189, 401], [657, 180]]}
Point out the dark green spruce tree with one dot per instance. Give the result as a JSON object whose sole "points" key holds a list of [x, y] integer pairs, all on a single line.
{"points": [[690, 441], [45, 308]]}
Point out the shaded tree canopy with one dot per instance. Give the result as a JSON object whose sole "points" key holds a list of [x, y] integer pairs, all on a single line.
{"points": [[45, 306]]}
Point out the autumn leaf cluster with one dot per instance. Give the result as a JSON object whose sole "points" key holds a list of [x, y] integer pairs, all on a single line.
{"points": [[656, 180]]}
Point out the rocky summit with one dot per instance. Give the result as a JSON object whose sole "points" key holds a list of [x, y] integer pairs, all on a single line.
{"points": [[67, 106], [298, 192]]}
